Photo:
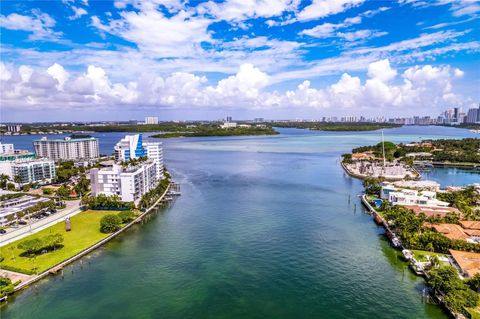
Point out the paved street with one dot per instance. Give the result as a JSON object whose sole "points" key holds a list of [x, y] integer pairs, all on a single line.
{"points": [[14, 234]]}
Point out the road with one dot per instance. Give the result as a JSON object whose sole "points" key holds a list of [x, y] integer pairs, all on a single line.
{"points": [[14, 234]]}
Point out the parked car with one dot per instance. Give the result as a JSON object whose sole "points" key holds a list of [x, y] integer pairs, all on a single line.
{"points": [[22, 222], [2, 231]]}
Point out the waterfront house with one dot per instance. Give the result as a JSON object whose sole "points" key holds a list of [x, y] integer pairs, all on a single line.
{"points": [[414, 197], [467, 262], [433, 211], [457, 232]]}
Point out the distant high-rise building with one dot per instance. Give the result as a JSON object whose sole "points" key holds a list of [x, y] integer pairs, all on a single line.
{"points": [[151, 120], [473, 116], [67, 149], [229, 119], [14, 128]]}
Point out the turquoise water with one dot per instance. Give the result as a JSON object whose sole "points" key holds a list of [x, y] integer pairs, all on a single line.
{"points": [[266, 227]]}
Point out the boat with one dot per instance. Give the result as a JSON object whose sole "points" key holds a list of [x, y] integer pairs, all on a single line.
{"points": [[475, 131], [417, 267], [396, 242], [407, 254]]}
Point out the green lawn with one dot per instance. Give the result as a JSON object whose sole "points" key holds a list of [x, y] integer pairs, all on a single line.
{"points": [[421, 255], [85, 232]]}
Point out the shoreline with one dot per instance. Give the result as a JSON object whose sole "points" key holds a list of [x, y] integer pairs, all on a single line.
{"points": [[58, 267], [390, 179], [380, 221]]}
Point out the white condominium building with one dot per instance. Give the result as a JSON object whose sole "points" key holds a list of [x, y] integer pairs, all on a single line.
{"points": [[29, 170], [155, 153], [133, 147], [6, 148], [67, 148], [129, 183], [151, 120]]}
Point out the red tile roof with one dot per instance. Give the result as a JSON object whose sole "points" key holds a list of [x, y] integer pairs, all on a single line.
{"points": [[468, 262]]}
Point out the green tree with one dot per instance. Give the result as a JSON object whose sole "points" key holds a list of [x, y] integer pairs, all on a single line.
{"points": [[17, 179], [110, 223], [6, 286], [83, 185], [372, 186], [33, 246], [63, 191], [126, 216], [30, 246], [474, 282], [47, 191]]}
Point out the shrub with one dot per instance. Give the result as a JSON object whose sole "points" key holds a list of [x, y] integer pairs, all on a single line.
{"points": [[126, 216], [6, 286], [110, 223], [47, 191]]}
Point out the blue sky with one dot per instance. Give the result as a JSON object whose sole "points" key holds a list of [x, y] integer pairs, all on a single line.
{"points": [[113, 60]]}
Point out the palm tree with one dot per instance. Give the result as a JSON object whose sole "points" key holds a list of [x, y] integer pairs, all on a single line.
{"points": [[17, 179]]}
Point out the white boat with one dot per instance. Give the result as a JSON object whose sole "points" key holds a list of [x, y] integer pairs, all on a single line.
{"points": [[475, 131], [407, 254], [396, 242]]}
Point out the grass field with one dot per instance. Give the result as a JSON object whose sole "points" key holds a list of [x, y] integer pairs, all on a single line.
{"points": [[421, 255], [85, 232]]}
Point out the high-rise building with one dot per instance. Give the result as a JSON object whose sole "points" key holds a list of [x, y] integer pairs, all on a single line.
{"points": [[130, 183], [133, 147], [14, 128], [29, 170], [6, 148], [473, 115], [151, 120], [67, 148]]}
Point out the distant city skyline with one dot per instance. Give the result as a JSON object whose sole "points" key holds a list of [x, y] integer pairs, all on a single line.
{"points": [[117, 60], [452, 116]]}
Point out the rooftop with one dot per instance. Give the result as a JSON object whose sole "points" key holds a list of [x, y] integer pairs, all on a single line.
{"points": [[470, 224], [452, 231], [468, 262], [433, 211], [65, 139]]}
